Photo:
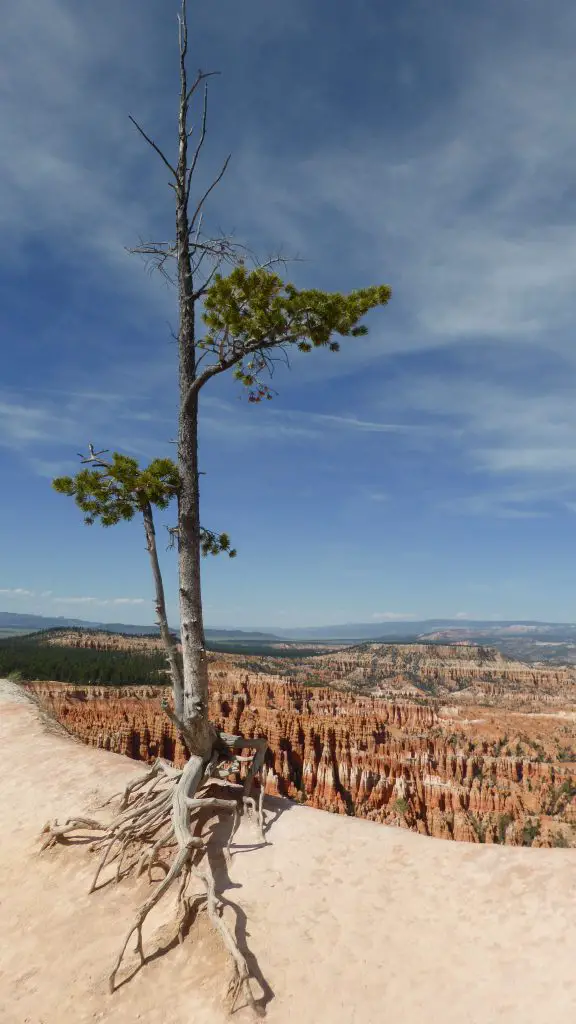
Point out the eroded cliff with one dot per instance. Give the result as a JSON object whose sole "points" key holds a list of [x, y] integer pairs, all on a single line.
{"points": [[462, 672], [504, 777]]}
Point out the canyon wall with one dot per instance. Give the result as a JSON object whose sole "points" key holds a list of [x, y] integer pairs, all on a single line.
{"points": [[406, 763], [465, 671], [100, 640]]}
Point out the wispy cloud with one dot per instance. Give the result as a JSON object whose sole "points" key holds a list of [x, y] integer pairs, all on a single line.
{"points": [[22, 425], [272, 423], [541, 459], [354, 423], [54, 599], [50, 468], [506, 504], [392, 616], [47, 428], [56, 127], [469, 215], [518, 435]]}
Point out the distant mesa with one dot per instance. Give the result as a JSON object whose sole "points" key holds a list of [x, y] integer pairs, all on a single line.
{"points": [[535, 642], [31, 623]]}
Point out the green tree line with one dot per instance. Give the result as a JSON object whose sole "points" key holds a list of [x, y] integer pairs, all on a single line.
{"points": [[81, 665]]}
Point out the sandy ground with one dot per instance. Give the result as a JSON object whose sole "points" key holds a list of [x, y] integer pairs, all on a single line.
{"points": [[346, 922]]}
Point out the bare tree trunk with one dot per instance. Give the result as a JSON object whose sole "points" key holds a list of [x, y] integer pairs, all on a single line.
{"points": [[194, 657], [169, 641]]}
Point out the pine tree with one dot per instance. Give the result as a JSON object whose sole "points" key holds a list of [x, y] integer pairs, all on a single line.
{"points": [[249, 316]]}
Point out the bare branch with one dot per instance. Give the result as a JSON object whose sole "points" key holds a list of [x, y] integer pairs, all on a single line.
{"points": [[94, 457], [222, 249], [164, 248], [198, 229], [159, 252], [219, 249], [286, 357], [154, 146], [192, 167], [202, 291], [273, 261], [209, 190], [173, 535], [199, 78]]}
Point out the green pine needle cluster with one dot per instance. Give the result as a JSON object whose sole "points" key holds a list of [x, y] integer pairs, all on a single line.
{"points": [[214, 543], [117, 490], [120, 489], [249, 312]]}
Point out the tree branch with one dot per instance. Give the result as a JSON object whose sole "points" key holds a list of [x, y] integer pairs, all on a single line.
{"points": [[236, 357], [94, 458], [192, 167], [154, 146], [207, 374], [199, 292], [199, 78], [209, 190]]}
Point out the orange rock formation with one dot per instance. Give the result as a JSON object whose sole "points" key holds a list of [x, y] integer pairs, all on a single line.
{"points": [[504, 777], [463, 672]]}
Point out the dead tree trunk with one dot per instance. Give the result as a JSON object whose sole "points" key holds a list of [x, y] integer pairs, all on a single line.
{"points": [[199, 732], [169, 641]]}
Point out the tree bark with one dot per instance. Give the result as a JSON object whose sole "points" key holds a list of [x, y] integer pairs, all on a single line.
{"points": [[168, 639], [194, 657]]}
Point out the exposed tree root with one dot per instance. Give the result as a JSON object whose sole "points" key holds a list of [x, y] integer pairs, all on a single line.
{"points": [[157, 823]]}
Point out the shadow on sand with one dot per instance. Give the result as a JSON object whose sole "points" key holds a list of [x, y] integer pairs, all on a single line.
{"points": [[217, 829]]}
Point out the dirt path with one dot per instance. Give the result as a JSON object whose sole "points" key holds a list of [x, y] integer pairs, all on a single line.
{"points": [[349, 922]]}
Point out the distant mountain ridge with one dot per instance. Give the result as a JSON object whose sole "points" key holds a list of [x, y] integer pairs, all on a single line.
{"points": [[16, 620], [408, 631], [425, 628]]}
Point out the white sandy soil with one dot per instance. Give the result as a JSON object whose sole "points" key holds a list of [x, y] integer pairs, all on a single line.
{"points": [[347, 922]]}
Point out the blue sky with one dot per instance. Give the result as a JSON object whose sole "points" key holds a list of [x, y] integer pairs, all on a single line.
{"points": [[426, 471]]}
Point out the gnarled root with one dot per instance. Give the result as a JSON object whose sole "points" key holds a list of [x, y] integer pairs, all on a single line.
{"points": [[153, 827], [256, 765]]}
